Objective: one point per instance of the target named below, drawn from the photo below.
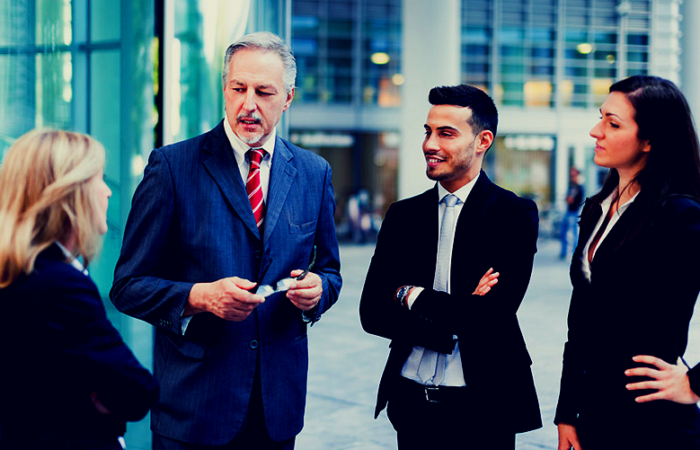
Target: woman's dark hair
(664, 119)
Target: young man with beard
(448, 274)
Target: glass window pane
(476, 35)
(105, 100)
(105, 21)
(52, 23)
(638, 39)
(637, 56)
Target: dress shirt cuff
(414, 295)
(306, 317)
(694, 378)
(184, 321)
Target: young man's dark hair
(484, 112)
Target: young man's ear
(484, 140)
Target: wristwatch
(402, 294)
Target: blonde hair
(44, 197)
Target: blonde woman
(69, 381)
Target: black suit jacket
(495, 229)
(58, 346)
(639, 302)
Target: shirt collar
(240, 148)
(605, 204)
(75, 262)
(461, 193)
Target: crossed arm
(438, 315)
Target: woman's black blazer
(58, 347)
(639, 302)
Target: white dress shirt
(454, 376)
(605, 207)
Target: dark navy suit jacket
(191, 222)
(495, 229)
(58, 347)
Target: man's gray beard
(252, 139)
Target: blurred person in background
(69, 381)
(635, 280)
(574, 200)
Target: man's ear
(484, 141)
(288, 101)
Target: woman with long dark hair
(69, 381)
(636, 277)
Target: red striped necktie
(253, 186)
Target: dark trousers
(443, 419)
(253, 434)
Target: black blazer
(495, 229)
(58, 346)
(639, 302)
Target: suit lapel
(427, 228)
(470, 224)
(221, 166)
(608, 246)
(473, 211)
(615, 236)
(589, 225)
(281, 178)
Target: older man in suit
(214, 218)
(458, 374)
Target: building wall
(547, 63)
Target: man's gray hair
(264, 40)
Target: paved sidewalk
(346, 363)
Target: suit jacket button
(253, 344)
(258, 254)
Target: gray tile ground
(346, 363)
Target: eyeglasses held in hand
(285, 283)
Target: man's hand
(568, 438)
(305, 294)
(486, 283)
(228, 298)
(671, 381)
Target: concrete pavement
(346, 363)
